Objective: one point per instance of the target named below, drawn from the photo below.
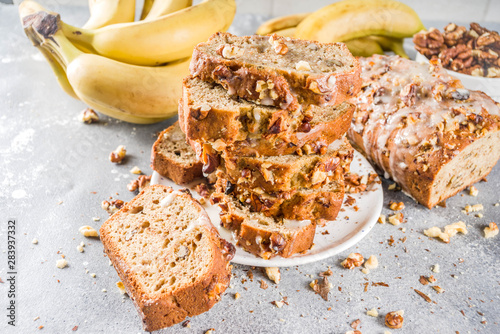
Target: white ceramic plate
(491, 86)
(348, 229)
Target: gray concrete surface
(55, 173)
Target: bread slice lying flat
(172, 157)
(208, 115)
(288, 172)
(168, 255)
(277, 71)
(423, 128)
(264, 236)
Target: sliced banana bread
(250, 130)
(288, 172)
(174, 158)
(264, 236)
(423, 128)
(278, 71)
(296, 204)
(168, 255)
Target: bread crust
(451, 152)
(180, 173)
(292, 87)
(166, 309)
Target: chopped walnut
(302, 66)
(88, 116)
(352, 261)
(372, 313)
(113, 206)
(321, 287)
(273, 273)
(88, 231)
(395, 206)
(458, 227)
(231, 52)
(473, 208)
(491, 230)
(394, 320)
(438, 289)
(61, 263)
(435, 232)
(278, 44)
(382, 219)
(118, 155)
(371, 263)
(203, 190)
(435, 268)
(136, 170)
(263, 284)
(278, 303)
(142, 182)
(396, 219)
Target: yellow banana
(391, 44)
(164, 39)
(146, 8)
(288, 32)
(363, 47)
(164, 7)
(280, 23)
(349, 19)
(106, 12)
(137, 94)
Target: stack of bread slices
(267, 117)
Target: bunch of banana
(128, 90)
(366, 26)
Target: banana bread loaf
(288, 172)
(296, 204)
(168, 255)
(264, 236)
(173, 157)
(230, 124)
(423, 128)
(278, 71)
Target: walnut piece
(394, 319)
(273, 273)
(352, 261)
(118, 155)
(88, 116)
(61, 263)
(321, 287)
(372, 313)
(449, 231)
(372, 262)
(279, 44)
(302, 66)
(396, 219)
(231, 52)
(491, 230)
(395, 206)
(88, 231)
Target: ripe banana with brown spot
(159, 41)
(350, 19)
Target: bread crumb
(382, 219)
(392, 186)
(273, 273)
(34, 241)
(36, 318)
(365, 271)
(438, 289)
(96, 219)
(80, 248)
(237, 295)
(278, 304)
(372, 313)
(121, 287)
(473, 208)
(372, 262)
(479, 215)
(88, 231)
(491, 230)
(93, 275)
(473, 191)
(136, 170)
(387, 332)
(396, 219)
(435, 268)
(210, 331)
(104, 290)
(61, 263)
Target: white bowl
(490, 86)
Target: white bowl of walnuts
(473, 56)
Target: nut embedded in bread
(423, 128)
(172, 157)
(278, 71)
(168, 255)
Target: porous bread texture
(297, 204)
(423, 128)
(231, 124)
(288, 172)
(278, 71)
(173, 157)
(168, 255)
(264, 236)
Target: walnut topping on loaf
(423, 128)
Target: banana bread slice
(288, 172)
(168, 255)
(423, 128)
(278, 71)
(174, 158)
(264, 236)
(208, 115)
(296, 204)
